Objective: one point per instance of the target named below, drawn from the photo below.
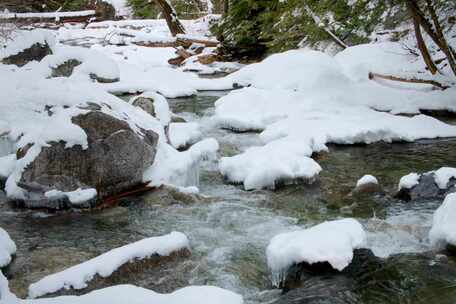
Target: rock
(114, 161)
(145, 103)
(425, 189)
(102, 79)
(402, 278)
(177, 119)
(36, 52)
(208, 59)
(65, 69)
(369, 188)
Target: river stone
(36, 52)
(401, 278)
(146, 104)
(369, 188)
(65, 69)
(426, 189)
(114, 161)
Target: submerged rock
(35, 52)
(114, 162)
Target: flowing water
(230, 230)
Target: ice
(76, 197)
(104, 265)
(443, 229)
(331, 242)
(7, 248)
(367, 179)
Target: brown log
(187, 42)
(408, 80)
(113, 201)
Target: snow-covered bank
(331, 242)
(303, 100)
(104, 265)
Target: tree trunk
(409, 80)
(438, 38)
(226, 7)
(423, 48)
(175, 26)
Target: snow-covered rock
(154, 104)
(182, 135)
(122, 294)
(331, 242)
(443, 231)
(104, 265)
(26, 46)
(7, 248)
(409, 181)
(443, 176)
(366, 179)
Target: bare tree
(174, 25)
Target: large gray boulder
(114, 162)
(426, 189)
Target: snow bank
(443, 229)
(122, 294)
(22, 40)
(6, 296)
(105, 264)
(184, 134)
(7, 164)
(443, 176)
(7, 248)
(331, 242)
(366, 179)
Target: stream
(229, 228)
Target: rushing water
(230, 231)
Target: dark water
(230, 231)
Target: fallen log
(78, 16)
(409, 80)
(187, 42)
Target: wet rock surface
(114, 161)
(65, 69)
(426, 189)
(36, 52)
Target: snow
(104, 265)
(122, 294)
(443, 176)
(366, 179)
(22, 40)
(180, 168)
(76, 197)
(6, 296)
(7, 164)
(331, 242)
(184, 134)
(443, 229)
(409, 181)
(7, 248)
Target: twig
(408, 80)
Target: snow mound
(409, 181)
(367, 179)
(22, 40)
(122, 294)
(331, 242)
(104, 265)
(7, 164)
(7, 248)
(184, 134)
(443, 176)
(75, 197)
(443, 229)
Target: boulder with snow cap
(430, 185)
(368, 184)
(35, 52)
(114, 161)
